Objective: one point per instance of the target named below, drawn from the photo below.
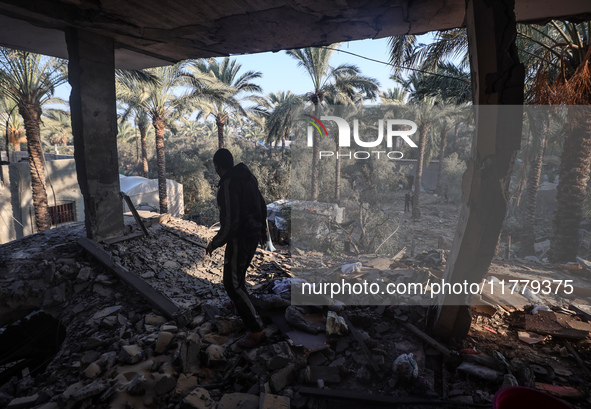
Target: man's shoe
(251, 340)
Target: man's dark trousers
(239, 254)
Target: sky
(281, 72)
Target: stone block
(23, 402)
(162, 341)
(269, 401)
(165, 384)
(283, 377)
(131, 354)
(238, 401)
(198, 399)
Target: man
(407, 202)
(243, 215)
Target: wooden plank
(154, 297)
(364, 348)
(432, 342)
(136, 216)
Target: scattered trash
(351, 268)
(537, 308)
(406, 367)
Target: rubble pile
(121, 352)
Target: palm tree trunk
(143, 131)
(219, 121)
(416, 212)
(31, 116)
(442, 141)
(337, 177)
(316, 157)
(528, 237)
(159, 130)
(573, 175)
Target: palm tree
(283, 113)
(30, 80)
(240, 89)
(342, 84)
(58, 127)
(560, 51)
(564, 77)
(394, 96)
(12, 124)
(160, 100)
(425, 115)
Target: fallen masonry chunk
(215, 355)
(185, 384)
(92, 370)
(131, 354)
(162, 341)
(152, 319)
(93, 389)
(283, 377)
(23, 402)
(335, 325)
(189, 353)
(238, 401)
(137, 386)
(269, 401)
(165, 384)
(197, 399)
(276, 356)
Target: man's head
(223, 161)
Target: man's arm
(229, 214)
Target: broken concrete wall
(16, 201)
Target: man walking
(243, 213)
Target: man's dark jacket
(243, 211)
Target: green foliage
(453, 169)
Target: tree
(12, 124)
(160, 100)
(30, 81)
(283, 113)
(240, 89)
(343, 84)
(564, 77)
(425, 115)
(58, 127)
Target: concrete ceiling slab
(157, 32)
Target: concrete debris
(335, 325)
(199, 398)
(238, 401)
(118, 351)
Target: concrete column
(94, 125)
(497, 87)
